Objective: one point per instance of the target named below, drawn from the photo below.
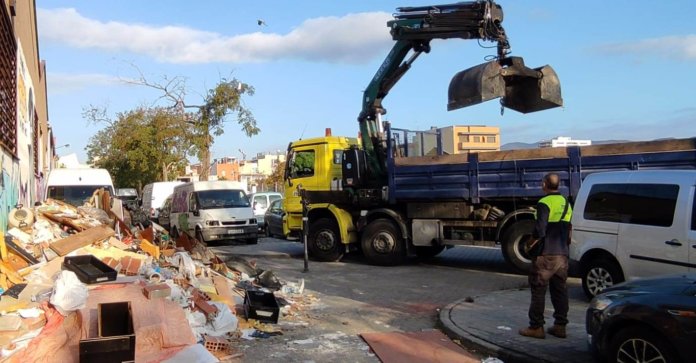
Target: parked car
(633, 224)
(273, 219)
(165, 212)
(648, 320)
(260, 202)
(154, 195)
(129, 196)
(76, 186)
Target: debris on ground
(67, 271)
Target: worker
(550, 266)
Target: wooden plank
(414, 347)
(82, 239)
(224, 291)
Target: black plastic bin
(261, 306)
(89, 269)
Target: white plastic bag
(224, 322)
(69, 293)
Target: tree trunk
(205, 158)
(164, 171)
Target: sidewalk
(490, 323)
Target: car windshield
(213, 199)
(76, 195)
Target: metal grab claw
(523, 89)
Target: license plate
(235, 231)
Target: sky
(627, 68)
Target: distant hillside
(524, 145)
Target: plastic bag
(69, 293)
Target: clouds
(672, 47)
(352, 38)
(61, 83)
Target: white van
(154, 195)
(76, 186)
(213, 210)
(632, 224)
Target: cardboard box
(116, 340)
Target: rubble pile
(76, 280)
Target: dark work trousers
(553, 271)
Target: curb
(480, 345)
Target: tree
(141, 146)
(274, 181)
(208, 118)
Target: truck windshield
(76, 195)
(212, 199)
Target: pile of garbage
(75, 281)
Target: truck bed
(498, 175)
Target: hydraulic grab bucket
(523, 89)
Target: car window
(273, 197)
(276, 206)
(624, 203)
(260, 201)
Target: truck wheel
(598, 274)
(324, 241)
(513, 244)
(252, 241)
(382, 243)
(426, 252)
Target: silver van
(634, 224)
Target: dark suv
(650, 320)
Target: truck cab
(313, 164)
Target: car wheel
(637, 344)
(513, 242)
(267, 232)
(598, 274)
(324, 241)
(252, 241)
(382, 244)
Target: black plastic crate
(261, 306)
(89, 269)
(116, 340)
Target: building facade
(474, 138)
(563, 141)
(26, 139)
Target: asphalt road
(354, 297)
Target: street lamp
(58, 147)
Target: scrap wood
(224, 291)
(95, 234)
(21, 252)
(63, 221)
(185, 241)
(423, 346)
(150, 248)
(11, 274)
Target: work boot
(533, 332)
(558, 331)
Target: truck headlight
(212, 223)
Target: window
(222, 198)
(302, 164)
(260, 201)
(646, 204)
(337, 156)
(490, 139)
(477, 138)
(8, 84)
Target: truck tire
(382, 244)
(598, 274)
(513, 244)
(324, 241)
(252, 241)
(199, 236)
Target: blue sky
(627, 68)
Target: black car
(649, 320)
(273, 219)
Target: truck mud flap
(522, 89)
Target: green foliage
(275, 181)
(139, 144)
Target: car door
(653, 233)
(274, 222)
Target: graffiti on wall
(25, 137)
(9, 189)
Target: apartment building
(473, 138)
(563, 141)
(27, 145)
